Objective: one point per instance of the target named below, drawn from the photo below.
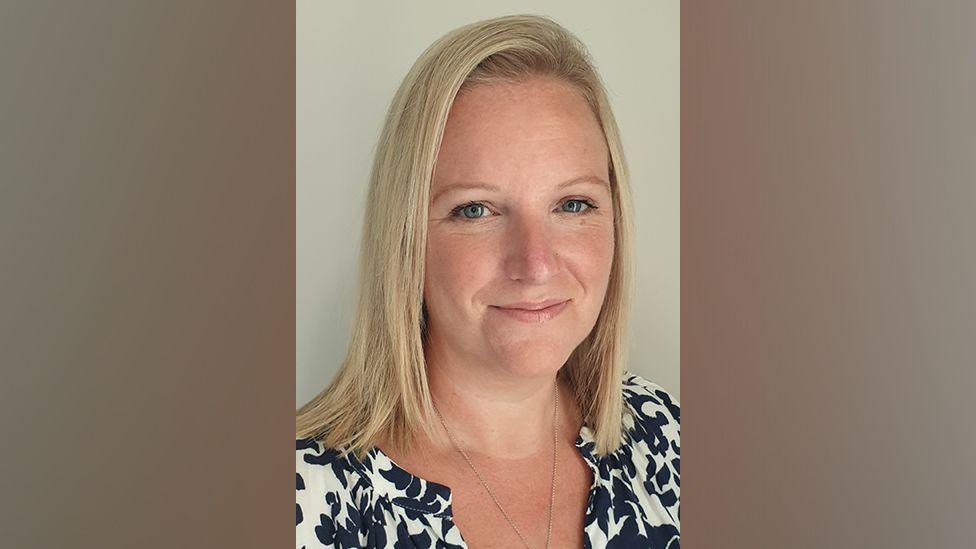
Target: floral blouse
(634, 501)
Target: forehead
(541, 129)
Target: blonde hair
(380, 392)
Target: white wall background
(350, 59)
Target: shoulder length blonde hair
(380, 392)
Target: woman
(483, 401)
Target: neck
(495, 413)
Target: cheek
(456, 269)
(591, 255)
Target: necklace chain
(552, 493)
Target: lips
(529, 306)
(533, 312)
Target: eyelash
(456, 212)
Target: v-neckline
(418, 497)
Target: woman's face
(520, 220)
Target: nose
(531, 253)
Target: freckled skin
(526, 139)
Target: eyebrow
(489, 187)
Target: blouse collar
(404, 489)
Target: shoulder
(647, 398)
(328, 487)
(325, 469)
(655, 414)
(650, 458)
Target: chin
(534, 359)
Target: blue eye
(470, 211)
(476, 210)
(576, 206)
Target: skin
(526, 240)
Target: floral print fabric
(344, 502)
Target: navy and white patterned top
(345, 502)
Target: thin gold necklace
(552, 493)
